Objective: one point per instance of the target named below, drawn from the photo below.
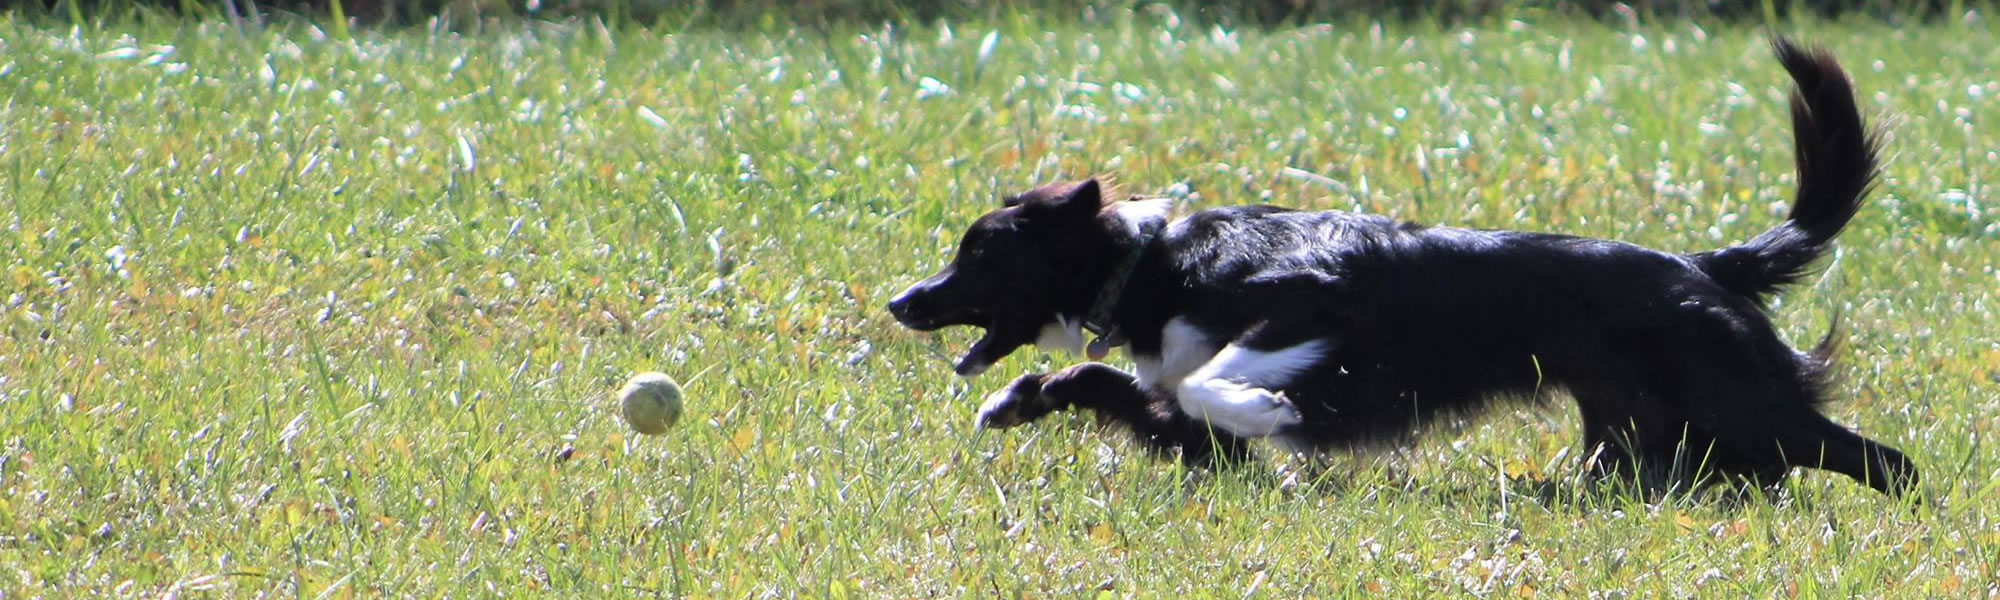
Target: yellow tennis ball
(650, 403)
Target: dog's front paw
(1020, 403)
(1240, 408)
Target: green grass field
(299, 317)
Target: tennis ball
(650, 402)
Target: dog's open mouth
(929, 323)
(977, 358)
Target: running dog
(1333, 330)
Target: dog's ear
(1083, 200)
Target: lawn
(291, 315)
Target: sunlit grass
(299, 316)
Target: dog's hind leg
(1767, 426)
(1114, 396)
(1633, 433)
(1780, 437)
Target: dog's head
(1041, 256)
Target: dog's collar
(1099, 320)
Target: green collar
(1099, 320)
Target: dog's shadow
(1569, 486)
(1565, 483)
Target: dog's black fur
(1671, 358)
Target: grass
(292, 316)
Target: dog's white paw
(1239, 408)
(1016, 404)
(994, 410)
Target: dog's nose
(899, 306)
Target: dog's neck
(1142, 219)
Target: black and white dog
(1332, 330)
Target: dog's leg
(1609, 436)
(1628, 432)
(1774, 438)
(1117, 397)
(1020, 403)
(1767, 424)
(1720, 463)
(1239, 389)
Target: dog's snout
(927, 305)
(912, 304)
(900, 306)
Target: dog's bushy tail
(1836, 156)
